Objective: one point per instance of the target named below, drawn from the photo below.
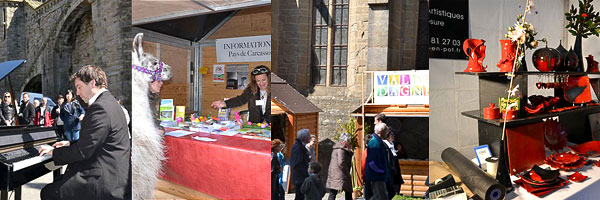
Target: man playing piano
(99, 163)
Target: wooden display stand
(525, 139)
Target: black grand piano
(20, 162)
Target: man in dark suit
(26, 111)
(99, 163)
(299, 160)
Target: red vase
(592, 64)
(508, 49)
(546, 59)
(475, 50)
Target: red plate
(569, 167)
(565, 158)
(577, 177)
(591, 148)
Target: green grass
(398, 197)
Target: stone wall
(12, 41)
(61, 36)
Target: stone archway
(34, 85)
(74, 46)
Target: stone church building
(58, 37)
(322, 47)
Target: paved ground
(31, 190)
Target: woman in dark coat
(7, 110)
(257, 94)
(339, 178)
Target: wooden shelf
(523, 73)
(477, 114)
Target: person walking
(376, 169)
(299, 160)
(338, 177)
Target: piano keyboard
(445, 192)
(23, 158)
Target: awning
(148, 11)
(7, 67)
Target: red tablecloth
(230, 168)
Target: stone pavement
(31, 190)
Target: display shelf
(477, 114)
(524, 73)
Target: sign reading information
(244, 49)
(401, 87)
(448, 28)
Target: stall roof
(289, 98)
(145, 11)
(404, 110)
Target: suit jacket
(99, 163)
(256, 115)
(70, 115)
(28, 112)
(299, 162)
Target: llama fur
(147, 154)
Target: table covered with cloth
(231, 167)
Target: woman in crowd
(7, 110)
(257, 94)
(71, 113)
(339, 178)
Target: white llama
(147, 147)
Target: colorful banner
(401, 87)
(244, 49)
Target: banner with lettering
(244, 49)
(448, 28)
(401, 87)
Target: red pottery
(591, 148)
(475, 50)
(508, 48)
(592, 64)
(577, 177)
(511, 114)
(546, 59)
(578, 90)
(491, 112)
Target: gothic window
(330, 42)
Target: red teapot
(475, 50)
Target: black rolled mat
(478, 181)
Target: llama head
(148, 64)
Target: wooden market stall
(409, 120)
(291, 112)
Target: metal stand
(4, 194)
